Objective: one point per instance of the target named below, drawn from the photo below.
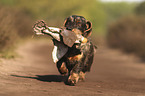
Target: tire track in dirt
(34, 74)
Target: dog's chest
(78, 52)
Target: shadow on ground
(46, 78)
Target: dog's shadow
(46, 78)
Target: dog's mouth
(69, 28)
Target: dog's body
(79, 61)
(78, 57)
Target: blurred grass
(55, 11)
(18, 16)
(8, 34)
(14, 25)
(128, 33)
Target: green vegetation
(12, 28)
(128, 33)
(55, 11)
(117, 10)
(140, 9)
(18, 16)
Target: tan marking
(82, 76)
(76, 31)
(85, 40)
(76, 57)
(63, 69)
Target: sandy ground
(34, 74)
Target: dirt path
(34, 74)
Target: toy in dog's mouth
(38, 27)
(69, 37)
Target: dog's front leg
(74, 75)
(62, 67)
(73, 78)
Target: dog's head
(78, 22)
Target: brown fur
(79, 58)
(76, 57)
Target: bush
(140, 9)
(128, 33)
(13, 26)
(23, 23)
(8, 32)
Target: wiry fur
(79, 58)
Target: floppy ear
(88, 31)
(65, 22)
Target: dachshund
(73, 50)
(79, 58)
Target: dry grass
(13, 26)
(128, 33)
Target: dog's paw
(73, 79)
(82, 76)
(63, 70)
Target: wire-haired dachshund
(79, 58)
(73, 51)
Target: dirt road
(34, 74)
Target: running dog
(73, 50)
